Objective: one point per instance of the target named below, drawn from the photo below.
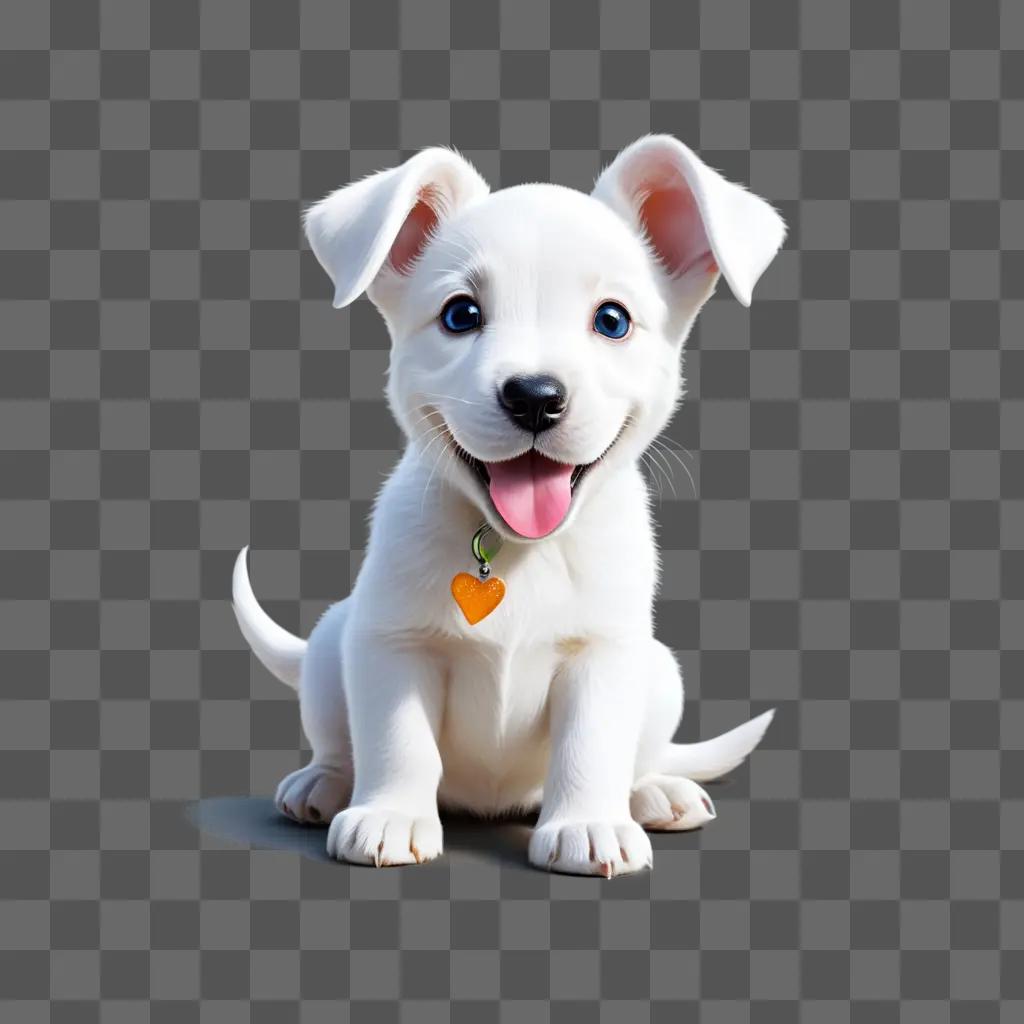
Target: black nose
(534, 403)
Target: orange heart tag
(477, 598)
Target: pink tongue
(532, 493)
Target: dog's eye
(461, 314)
(612, 320)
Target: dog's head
(536, 330)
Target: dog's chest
(496, 706)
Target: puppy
(536, 347)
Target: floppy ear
(697, 222)
(386, 220)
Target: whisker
(671, 442)
(666, 469)
(686, 469)
(430, 427)
(450, 398)
(430, 436)
(667, 477)
(440, 433)
(650, 474)
(671, 452)
(437, 462)
(432, 412)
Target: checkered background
(174, 384)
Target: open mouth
(532, 493)
(480, 468)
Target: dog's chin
(475, 483)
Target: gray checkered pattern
(174, 383)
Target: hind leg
(316, 793)
(661, 802)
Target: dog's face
(536, 331)
(530, 353)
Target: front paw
(378, 835)
(591, 848)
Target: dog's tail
(279, 651)
(710, 759)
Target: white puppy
(536, 354)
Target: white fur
(561, 699)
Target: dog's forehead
(556, 231)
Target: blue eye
(461, 314)
(612, 321)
